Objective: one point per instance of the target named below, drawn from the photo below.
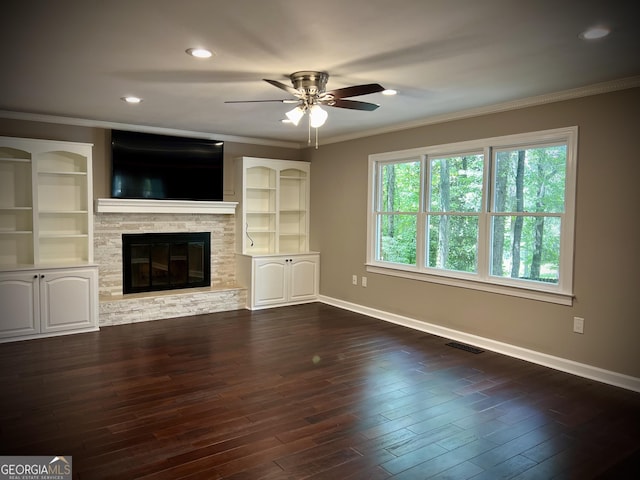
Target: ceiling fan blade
(284, 87)
(262, 101)
(352, 104)
(356, 90)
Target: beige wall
(607, 245)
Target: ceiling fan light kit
(309, 88)
(317, 116)
(295, 115)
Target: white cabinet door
(67, 299)
(303, 278)
(284, 280)
(19, 307)
(39, 303)
(269, 281)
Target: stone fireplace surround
(114, 217)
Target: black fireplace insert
(165, 261)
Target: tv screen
(164, 167)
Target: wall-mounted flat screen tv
(164, 167)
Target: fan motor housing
(311, 83)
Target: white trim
(49, 334)
(491, 287)
(118, 205)
(558, 363)
(83, 122)
(562, 293)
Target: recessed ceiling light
(594, 33)
(389, 92)
(131, 99)
(200, 52)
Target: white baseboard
(583, 370)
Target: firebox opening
(165, 261)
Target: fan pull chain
(309, 136)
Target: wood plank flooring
(305, 392)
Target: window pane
(453, 242)
(456, 184)
(397, 239)
(530, 180)
(526, 247)
(400, 187)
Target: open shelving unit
(16, 207)
(48, 283)
(45, 211)
(293, 225)
(273, 216)
(260, 209)
(63, 207)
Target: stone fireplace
(114, 218)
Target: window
(493, 214)
(398, 212)
(454, 207)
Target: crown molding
(595, 89)
(83, 122)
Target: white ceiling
(77, 58)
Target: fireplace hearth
(165, 261)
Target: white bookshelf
(272, 234)
(48, 284)
(45, 202)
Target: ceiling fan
(309, 90)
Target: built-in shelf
(120, 205)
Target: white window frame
(560, 293)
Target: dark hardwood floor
(305, 392)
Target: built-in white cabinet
(274, 280)
(43, 302)
(272, 235)
(49, 283)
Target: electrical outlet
(354, 279)
(364, 281)
(578, 325)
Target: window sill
(538, 295)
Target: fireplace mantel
(119, 205)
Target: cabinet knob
(41, 276)
(35, 276)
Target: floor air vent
(466, 348)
